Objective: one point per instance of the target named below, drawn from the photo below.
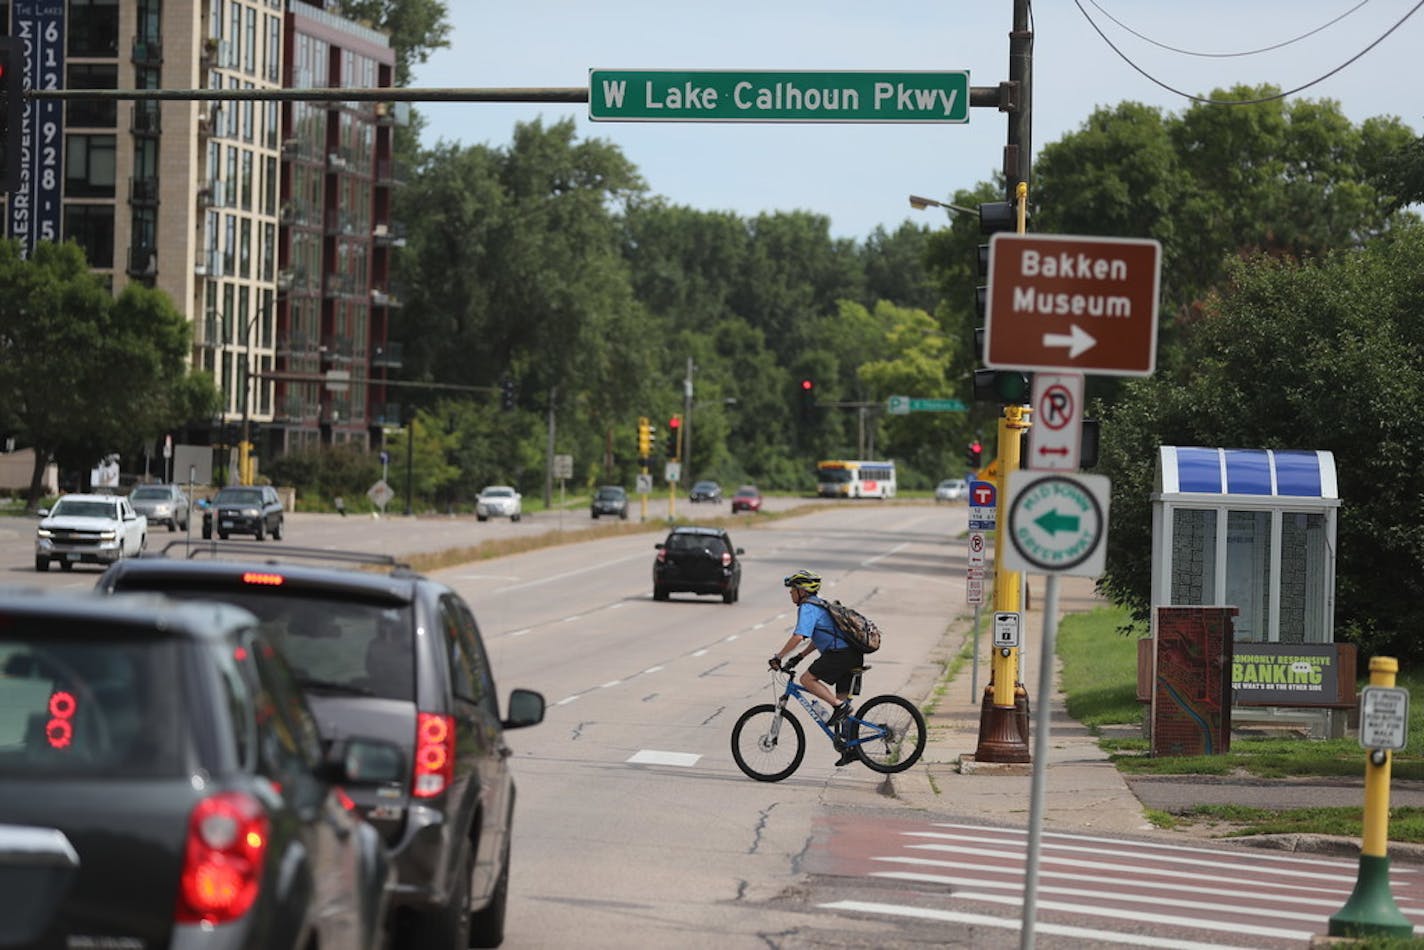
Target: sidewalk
(1083, 791)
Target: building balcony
(389, 172)
(147, 51)
(389, 235)
(297, 345)
(147, 117)
(337, 350)
(383, 297)
(340, 222)
(143, 190)
(387, 356)
(143, 261)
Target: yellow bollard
(1371, 908)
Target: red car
(747, 498)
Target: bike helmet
(805, 580)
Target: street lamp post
(920, 203)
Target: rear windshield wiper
(306, 682)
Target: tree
(1317, 354)
(416, 28)
(82, 373)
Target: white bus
(846, 478)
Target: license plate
(71, 556)
(227, 524)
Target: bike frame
(799, 693)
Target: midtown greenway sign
(666, 95)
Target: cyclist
(836, 664)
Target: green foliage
(326, 473)
(85, 374)
(1324, 354)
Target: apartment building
(268, 223)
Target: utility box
(1191, 680)
(1254, 529)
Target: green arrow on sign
(1053, 522)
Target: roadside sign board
(983, 502)
(338, 380)
(974, 591)
(672, 472)
(901, 405)
(644, 483)
(1057, 442)
(1056, 523)
(1073, 304)
(563, 466)
(742, 95)
(380, 494)
(1384, 717)
(1006, 628)
(977, 548)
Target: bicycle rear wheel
(893, 733)
(762, 755)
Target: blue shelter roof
(1260, 472)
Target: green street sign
(1057, 523)
(668, 95)
(900, 405)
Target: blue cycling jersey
(814, 622)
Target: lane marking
(654, 757)
(519, 633)
(610, 683)
(566, 700)
(653, 669)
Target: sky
(860, 175)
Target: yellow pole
(1006, 583)
(1371, 908)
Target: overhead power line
(1243, 102)
(1249, 52)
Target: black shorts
(837, 667)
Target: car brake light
(59, 731)
(264, 580)
(434, 754)
(726, 558)
(222, 859)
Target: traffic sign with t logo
(1075, 304)
(1057, 441)
(983, 505)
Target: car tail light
(662, 557)
(434, 754)
(222, 859)
(263, 579)
(726, 558)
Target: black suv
(610, 500)
(244, 509)
(397, 655)
(700, 560)
(170, 788)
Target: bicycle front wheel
(767, 743)
(891, 733)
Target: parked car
(386, 651)
(172, 786)
(245, 509)
(88, 529)
(747, 498)
(699, 560)
(162, 504)
(499, 501)
(610, 500)
(951, 489)
(705, 491)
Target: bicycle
(768, 743)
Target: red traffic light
(807, 385)
(975, 446)
(674, 422)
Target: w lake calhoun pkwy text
(771, 97)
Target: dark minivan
(700, 561)
(397, 655)
(610, 500)
(164, 784)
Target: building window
(89, 166)
(92, 228)
(246, 200)
(93, 28)
(92, 113)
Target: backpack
(858, 630)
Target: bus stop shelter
(1254, 529)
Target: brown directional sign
(1073, 304)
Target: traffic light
(12, 86)
(974, 454)
(808, 398)
(645, 438)
(506, 394)
(992, 385)
(674, 442)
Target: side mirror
(526, 708)
(42, 513)
(659, 546)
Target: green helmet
(807, 581)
